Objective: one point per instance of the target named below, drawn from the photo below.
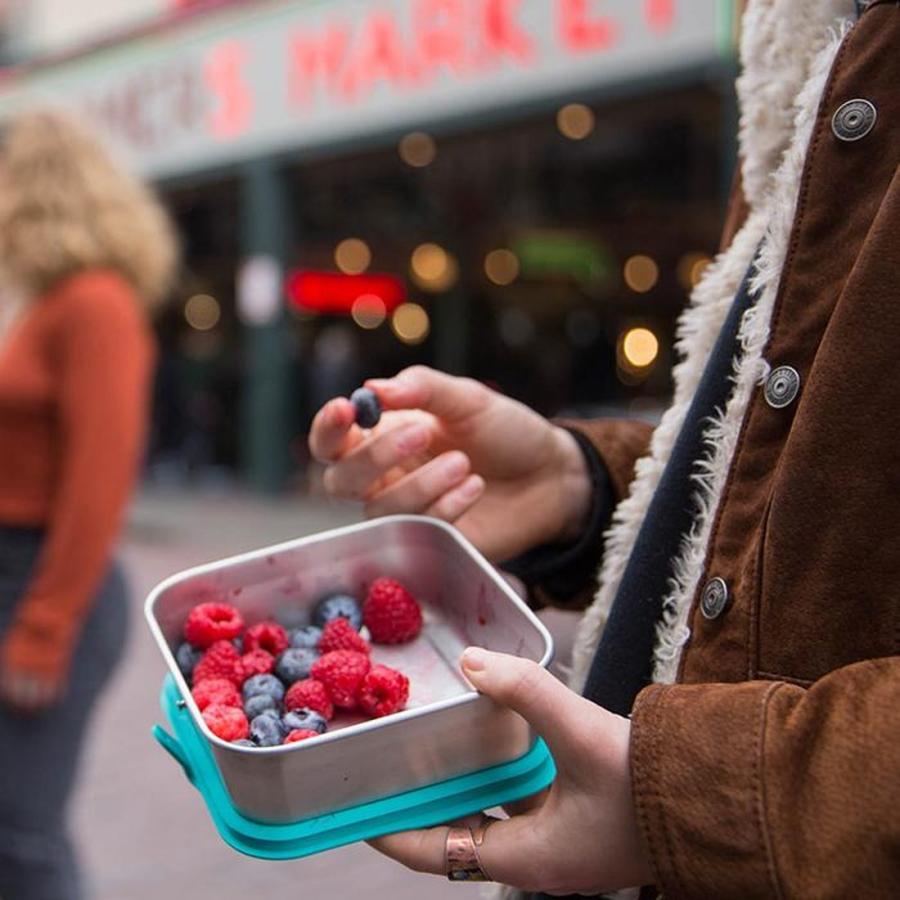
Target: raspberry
(342, 672)
(383, 691)
(339, 634)
(226, 722)
(309, 694)
(268, 636)
(218, 691)
(300, 734)
(391, 613)
(210, 622)
(256, 662)
(220, 661)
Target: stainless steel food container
(447, 728)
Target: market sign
(272, 77)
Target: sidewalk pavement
(143, 832)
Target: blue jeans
(39, 754)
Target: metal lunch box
(450, 752)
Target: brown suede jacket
(771, 767)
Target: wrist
(574, 486)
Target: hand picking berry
(267, 731)
(226, 722)
(263, 684)
(294, 664)
(305, 719)
(339, 634)
(335, 605)
(367, 407)
(391, 613)
(306, 638)
(219, 691)
(268, 636)
(309, 694)
(383, 691)
(210, 622)
(342, 672)
(221, 660)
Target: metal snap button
(782, 387)
(853, 120)
(714, 598)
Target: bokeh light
(352, 256)
(433, 268)
(417, 149)
(640, 273)
(639, 347)
(410, 323)
(501, 266)
(575, 121)
(368, 311)
(202, 312)
(690, 269)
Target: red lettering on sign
(224, 74)
(314, 57)
(660, 14)
(582, 32)
(503, 35)
(380, 57)
(439, 27)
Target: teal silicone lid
(418, 808)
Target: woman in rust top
(84, 251)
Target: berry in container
(338, 729)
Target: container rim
(349, 731)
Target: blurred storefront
(519, 190)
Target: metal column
(266, 420)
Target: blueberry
(295, 663)
(305, 718)
(243, 742)
(263, 684)
(187, 657)
(307, 637)
(259, 704)
(367, 406)
(238, 644)
(267, 731)
(335, 605)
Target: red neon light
(334, 294)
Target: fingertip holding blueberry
(366, 406)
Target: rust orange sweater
(74, 378)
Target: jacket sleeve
(766, 789)
(103, 357)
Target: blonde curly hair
(66, 206)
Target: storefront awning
(275, 77)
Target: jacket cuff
(696, 761)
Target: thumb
(528, 689)
(446, 396)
